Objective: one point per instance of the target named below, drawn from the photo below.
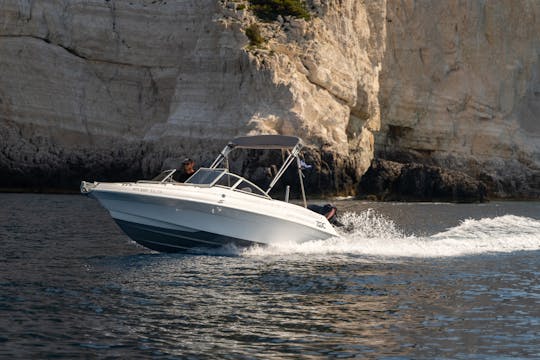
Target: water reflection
(69, 293)
(306, 308)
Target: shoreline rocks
(392, 181)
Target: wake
(372, 235)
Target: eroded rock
(392, 181)
(102, 89)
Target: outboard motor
(329, 211)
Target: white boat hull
(171, 217)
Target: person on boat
(188, 169)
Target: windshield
(222, 178)
(205, 176)
(164, 176)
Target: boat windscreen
(205, 176)
(227, 180)
(165, 175)
(248, 187)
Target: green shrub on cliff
(270, 9)
(254, 35)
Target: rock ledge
(392, 181)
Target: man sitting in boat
(188, 169)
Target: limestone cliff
(90, 88)
(115, 89)
(460, 88)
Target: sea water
(403, 281)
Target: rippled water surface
(406, 281)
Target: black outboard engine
(329, 211)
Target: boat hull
(170, 240)
(173, 218)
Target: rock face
(392, 181)
(114, 90)
(460, 88)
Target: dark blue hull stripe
(169, 240)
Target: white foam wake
(506, 233)
(371, 234)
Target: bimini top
(265, 142)
(292, 144)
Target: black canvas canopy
(265, 142)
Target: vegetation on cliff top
(254, 35)
(269, 10)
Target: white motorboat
(214, 207)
